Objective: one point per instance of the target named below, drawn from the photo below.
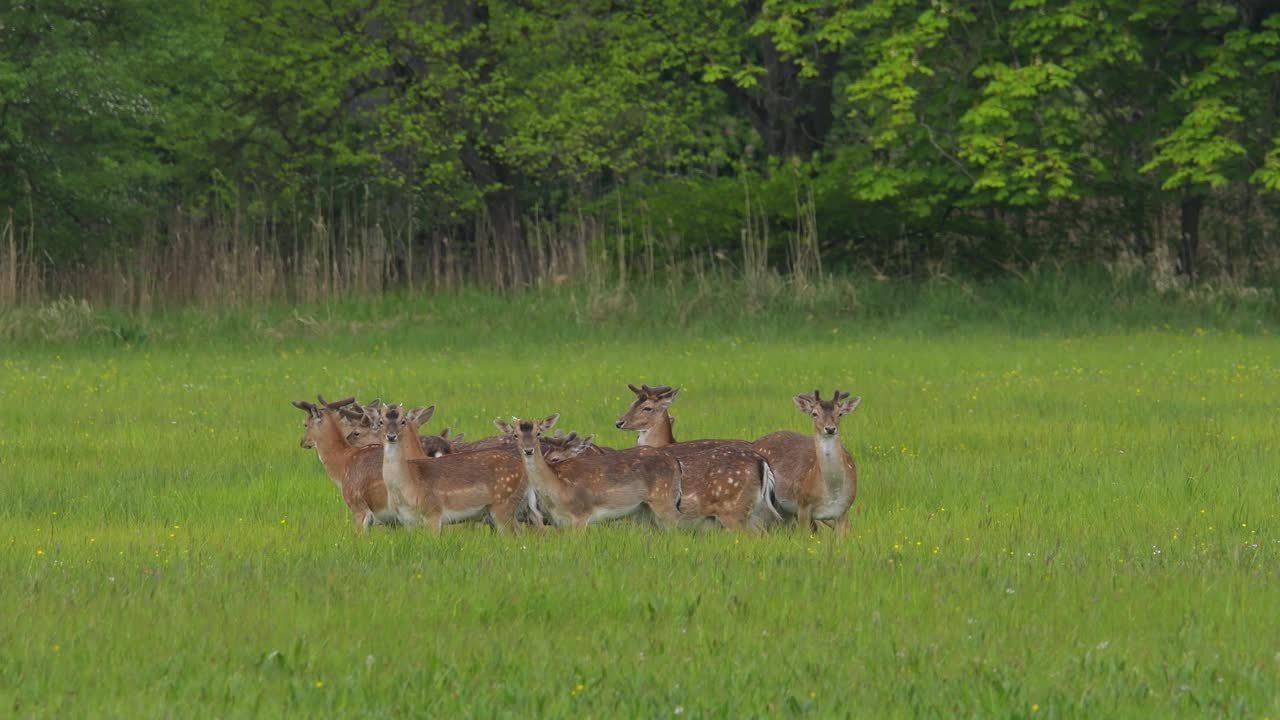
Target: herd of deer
(390, 474)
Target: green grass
(1058, 517)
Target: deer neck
(395, 471)
(411, 445)
(540, 473)
(830, 454)
(334, 451)
(659, 435)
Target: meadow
(1065, 509)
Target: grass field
(1057, 517)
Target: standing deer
(724, 479)
(588, 489)
(486, 484)
(817, 479)
(357, 471)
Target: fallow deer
(356, 471)
(487, 484)
(817, 478)
(724, 479)
(583, 490)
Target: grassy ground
(1053, 521)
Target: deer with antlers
(817, 478)
(434, 492)
(723, 479)
(360, 425)
(357, 471)
(587, 489)
(560, 447)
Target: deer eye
(815, 414)
(648, 409)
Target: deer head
(394, 421)
(527, 432)
(559, 447)
(648, 408)
(319, 418)
(826, 414)
(360, 424)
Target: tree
(83, 96)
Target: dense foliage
(993, 133)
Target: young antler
(306, 407)
(335, 405)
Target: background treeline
(240, 150)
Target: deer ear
(668, 395)
(635, 389)
(548, 422)
(420, 415)
(504, 426)
(457, 438)
(804, 402)
(848, 404)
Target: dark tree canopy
(1013, 130)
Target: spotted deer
(587, 489)
(357, 471)
(723, 479)
(434, 492)
(817, 479)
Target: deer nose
(528, 451)
(829, 430)
(618, 424)
(391, 437)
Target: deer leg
(842, 525)
(435, 521)
(504, 514)
(731, 522)
(535, 516)
(665, 513)
(362, 519)
(804, 519)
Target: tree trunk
(1189, 248)
(791, 113)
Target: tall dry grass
(233, 253)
